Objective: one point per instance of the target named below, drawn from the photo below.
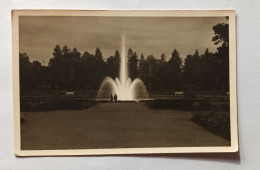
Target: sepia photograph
(124, 82)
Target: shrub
(217, 122)
(52, 104)
(189, 95)
(183, 104)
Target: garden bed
(55, 104)
(214, 115)
(181, 104)
(217, 122)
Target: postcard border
(125, 13)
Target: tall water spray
(123, 87)
(123, 73)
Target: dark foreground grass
(114, 125)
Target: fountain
(123, 86)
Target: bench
(69, 93)
(179, 93)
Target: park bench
(69, 93)
(179, 93)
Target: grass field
(114, 125)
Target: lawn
(114, 125)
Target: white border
(125, 13)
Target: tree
(31, 74)
(76, 55)
(76, 68)
(37, 74)
(192, 71)
(99, 68)
(55, 64)
(153, 73)
(175, 61)
(209, 67)
(98, 55)
(57, 56)
(25, 71)
(132, 64)
(163, 73)
(175, 71)
(89, 71)
(145, 70)
(113, 65)
(163, 59)
(222, 38)
(221, 34)
(63, 65)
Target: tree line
(68, 69)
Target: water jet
(124, 87)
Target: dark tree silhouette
(192, 71)
(69, 70)
(31, 74)
(25, 71)
(222, 38)
(113, 65)
(163, 73)
(99, 69)
(76, 68)
(221, 34)
(89, 70)
(209, 67)
(144, 70)
(132, 64)
(175, 71)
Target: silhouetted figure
(111, 97)
(115, 97)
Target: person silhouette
(115, 97)
(111, 97)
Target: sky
(38, 35)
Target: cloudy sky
(148, 35)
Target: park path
(114, 125)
